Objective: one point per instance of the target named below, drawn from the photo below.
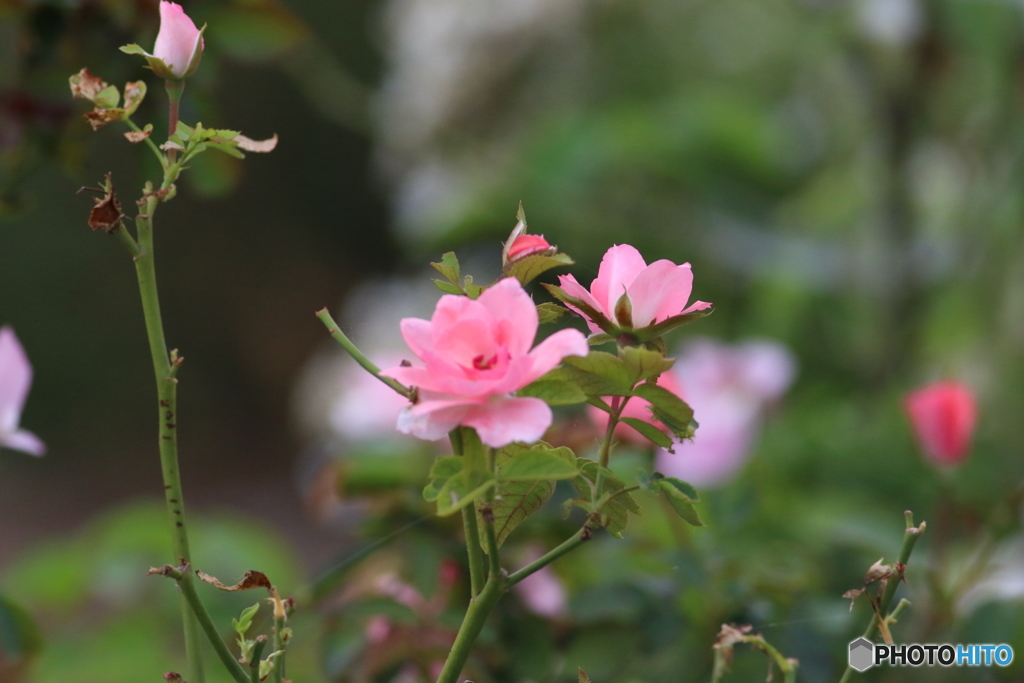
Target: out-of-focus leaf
(517, 462)
(549, 312)
(257, 31)
(20, 638)
(554, 392)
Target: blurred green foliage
(840, 181)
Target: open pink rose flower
(652, 292)
(943, 415)
(15, 380)
(475, 354)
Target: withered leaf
(138, 136)
(171, 144)
(134, 93)
(101, 117)
(106, 215)
(252, 579)
(852, 595)
(86, 86)
(250, 145)
(877, 572)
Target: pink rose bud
(179, 44)
(652, 292)
(15, 380)
(474, 355)
(943, 415)
(525, 245)
(178, 48)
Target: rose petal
(660, 291)
(619, 267)
(503, 420)
(15, 379)
(514, 313)
(550, 352)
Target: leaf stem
(570, 544)
(188, 590)
(618, 404)
(356, 354)
(469, 526)
(148, 140)
(479, 608)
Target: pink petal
(418, 334)
(550, 352)
(619, 267)
(21, 440)
(573, 288)
(514, 313)
(943, 415)
(430, 424)
(178, 39)
(15, 379)
(503, 420)
(659, 292)
(524, 245)
(543, 594)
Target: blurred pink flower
(543, 593)
(943, 415)
(475, 354)
(637, 408)
(179, 44)
(728, 387)
(15, 380)
(366, 408)
(653, 292)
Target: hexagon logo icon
(862, 654)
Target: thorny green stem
(356, 354)
(164, 368)
(278, 645)
(479, 608)
(257, 655)
(910, 536)
(191, 598)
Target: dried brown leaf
(138, 136)
(252, 579)
(250, 145)
(101, 117)
(85, 86)
(106, 215)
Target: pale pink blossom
(474, 355)
(15, 380)
(366, 408)
(728, 387)
(543, 593)
(638, 408)
(179, 44)
(943, 415)
(632, 294)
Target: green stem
(469, 526)
(479, 608)
(257, 655)
(570, 544)
(910, 536)
(367, 364)
(188, 591)
(164, 370)
(148, 140)
(174, 91)
(604, 454)
(277, 675)
(128, 241)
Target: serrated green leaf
(670, 324)
(132, 49)
(244, 621)
(517, 462)
(529, 267)
(650, 432)
(514, 502)
(472, 290)
(447, 287)
(449, 268)
(643, 364)
(615, 513)
(461, 490)
(597, 374)
(183, 131)
(595, 316)
(548, 312)
(227, 148)
(107, 98)
(554, 392)
(680, 495)
(441, 471)
(668, 409)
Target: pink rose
(632, 294)
(637, 408)
(943, 415)
(15, 380)
(475, 354)
(179, 44)
(728, 387)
